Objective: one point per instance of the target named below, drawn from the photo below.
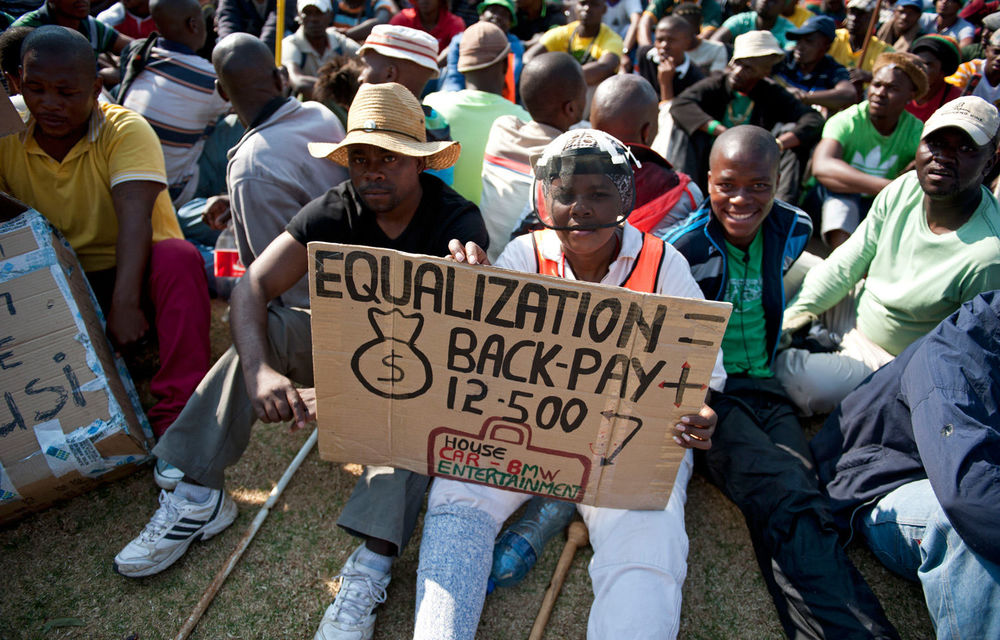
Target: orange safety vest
(645, 271)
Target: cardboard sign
(69, 415)
(530, 383)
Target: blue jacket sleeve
(953, 388)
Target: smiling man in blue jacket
(911, 459)
(739, 244)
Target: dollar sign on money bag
(393, 367)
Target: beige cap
(971, 114)
(388, 116)
(756, 44)
(483, 45)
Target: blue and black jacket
(786, 230)
(933, 412)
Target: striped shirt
(176, 94)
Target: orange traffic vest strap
(645, 270)
(509, 86)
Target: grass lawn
(57, 580)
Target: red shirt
(448, 25)
(923, 111)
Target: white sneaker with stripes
(176, 524)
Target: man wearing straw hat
(392, 53)
(387, 202)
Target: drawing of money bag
(393, 367)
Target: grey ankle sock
(375, 561)
(193, 492)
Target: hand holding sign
(695, 431)
(471, 253)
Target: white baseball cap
(405, 43)
(323, 5)
(971, 114)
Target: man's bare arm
(838, 176)
(598, 70)
(133, 202)
(274, 272)
(644, 34)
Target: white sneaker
(175, 525)
(350, 616)
(166, 475)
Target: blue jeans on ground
(909, 532)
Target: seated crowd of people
(829, 169)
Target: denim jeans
(910, 533)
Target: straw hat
(388, 116)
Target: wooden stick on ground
(220, 577)
(576, 537)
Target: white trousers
(637, 571)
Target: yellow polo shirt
(75, 194)
(842, 52)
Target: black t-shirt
(339, 216)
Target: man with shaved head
(174, 91)
(270, 175)
(96, 172)
(554, 92)
(268, 374)
(739, 244)
(626, 107)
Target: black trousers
(760, 459)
